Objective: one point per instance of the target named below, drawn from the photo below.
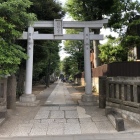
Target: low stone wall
(95, 83)
(121, 94)
(135, 117)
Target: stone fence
(3, 93)
(122, 94)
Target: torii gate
(58, 26)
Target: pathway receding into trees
(58, 25)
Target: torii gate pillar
(87, 97)
(28, 98)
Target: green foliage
(88, 9)
(70, 67)
(131, 41)
(112, 51)
(13, 20)
(46, 53)
(10, 57)
(47, 9)
(123, 18)
(124, 15)
(75, 49)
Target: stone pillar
(102, 92)
(87, 97)
(11, 92)
(117, 91)
(122, 92)
(3, 97)
(28, 96)
(128, 93)
(135, 93)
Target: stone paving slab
(49, 108)
(85, 120)
(47, 121)
(82, 113)
(72, 128)
(34, 121)
(71, 114)
(99, 118)
(72, 121)
(42, 115)
(89, 127)
(22, 130)
(105, 127)
(55, 129)
(68, 108)
(57, 114)
(39, 129)
(62, 119)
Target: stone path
(61, 115)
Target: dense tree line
(123, 18)
(14, 18)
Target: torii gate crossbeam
(58, 26)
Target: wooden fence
(117, 69)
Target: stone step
(127, 136)
(115, 118)
(116, 121)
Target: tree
(47, 9)
(46, 56)
(112, 51)
(75, 49)
(122, 16)
(125, 20)
(44, 10)
(70, 67)
(13, 20)
(87, 11)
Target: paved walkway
(59, 114)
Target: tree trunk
(96, 43)
(11, 92)
(20, 83)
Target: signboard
(58, 27)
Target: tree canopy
(87, 10)
(13, 20)
(46, 53)
(76, 51)
(123, 18)
(113, 51)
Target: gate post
(87, 97)
(28, 97)
(102, 91)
